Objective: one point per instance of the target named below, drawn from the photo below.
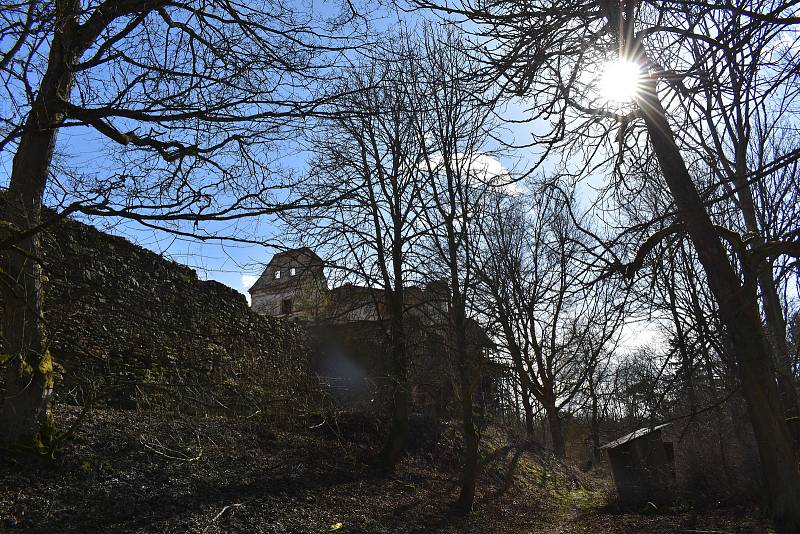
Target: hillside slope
(151, 472)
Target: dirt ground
(129, 471)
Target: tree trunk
(25, 415)
(469, 476)
(398, 431)
(524, 379)
(776, 328)
(470, 471)
(773, 309)
(395, 440)
(526, 404)
(556, 430)
(594, 423)
(739, 313)
(517, 414)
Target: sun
(620, 81)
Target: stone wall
(130, 328)
(308, 299)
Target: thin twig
(225, 509)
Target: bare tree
(186, 99)
(505, 243)
(456, 129)
(557, 324)
(599, 395)
(366, 183)
(554, 52)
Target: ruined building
(292, 285)
(709, 456)
(643, 466)
(349, 327)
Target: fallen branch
(225, 509)
(176, 455)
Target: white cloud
(247, 282)
(487, 169)
(491, 171)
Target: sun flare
(620, 81)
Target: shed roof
(632, 436)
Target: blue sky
(82, 150)
(236, 265)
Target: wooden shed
(643, 466)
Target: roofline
(276, 255)
(636, 434)
(298, 249)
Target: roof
(636, 434)
(305, 258)
(296, 253)
(350, 297)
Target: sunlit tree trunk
(522, 374)
(773, 310)
(594, 420)
(556, 428)
(528, 408)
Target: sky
(239, 265)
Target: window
(277, 274)
(286, 306)
(292, 271)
